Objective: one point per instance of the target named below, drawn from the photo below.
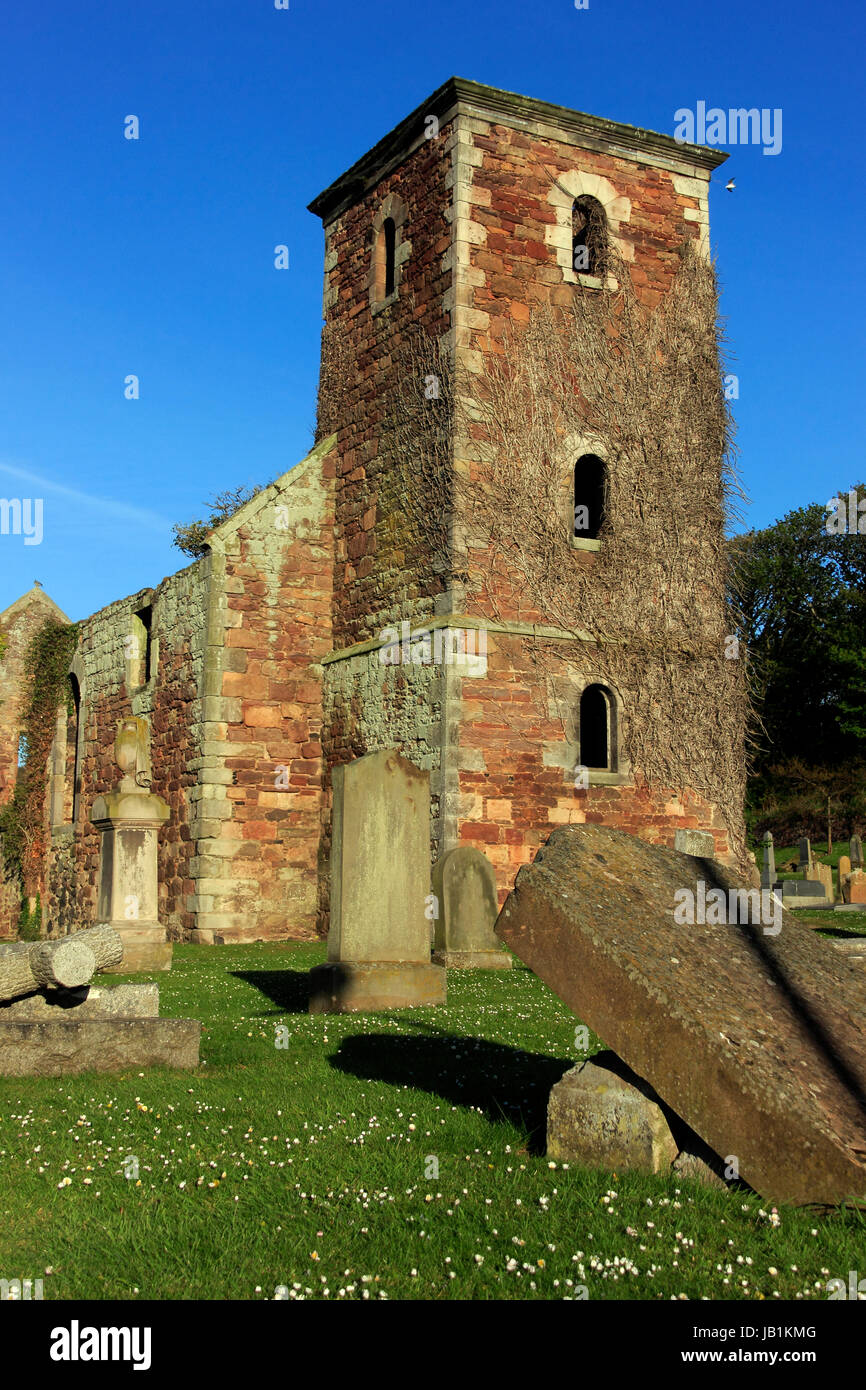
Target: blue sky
(155, 257)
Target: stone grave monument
(768, 869)
(54, 1022)
(128, 820)
(379, 937)
(464, 892)
(752, 1032)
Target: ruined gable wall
(112, 689)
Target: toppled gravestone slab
(754, 1034)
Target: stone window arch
(576, 188)
(597, 729)
(590, 497)
(389, 252)
(588, 236)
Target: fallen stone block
(104, 1045)
(753, 1034)
(124, 1001)
(600, 1114)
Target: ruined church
(288, 646)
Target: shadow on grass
(503, 1082)
(289, 990)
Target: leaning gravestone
(752, 1032)
(53, 1022)
(379, 937)
(464, 890)
(856, 855)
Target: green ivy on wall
(46, 689)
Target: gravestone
(805, 850)
(128, 820)
(464, 891)
(752, 1032)
(54, 1022)
(768, 869)
(379, 937)
(856, 848)
(844, 877)
(823, 875)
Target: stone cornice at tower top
(458, 96)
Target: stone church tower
(454, 228)
(287, 646)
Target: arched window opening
(385, 261)
(596, 734)
(589, 496)
(389, 230)
(588, 236)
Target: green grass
(306, 1166)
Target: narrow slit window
(589, 496)
(75, 716)
(389, 237)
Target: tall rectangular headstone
(748, 1026)
(805, 849)
(856, 852)
(379, 937)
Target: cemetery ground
(310, 1167)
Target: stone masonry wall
(261, 782)
(112, 681)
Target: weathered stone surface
(600, 1114)
(757, 1041)
(345, 988)
(856, 851)
(70, 1046)
(699, 843)
(379, 937)
(380, 861)
(464, 888)
(69, 963)
(124, 1001)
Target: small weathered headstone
(856, 847)
(603, 1116)
(379, 937)
(464, 892)
(768, 869)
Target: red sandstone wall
(382, 566)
